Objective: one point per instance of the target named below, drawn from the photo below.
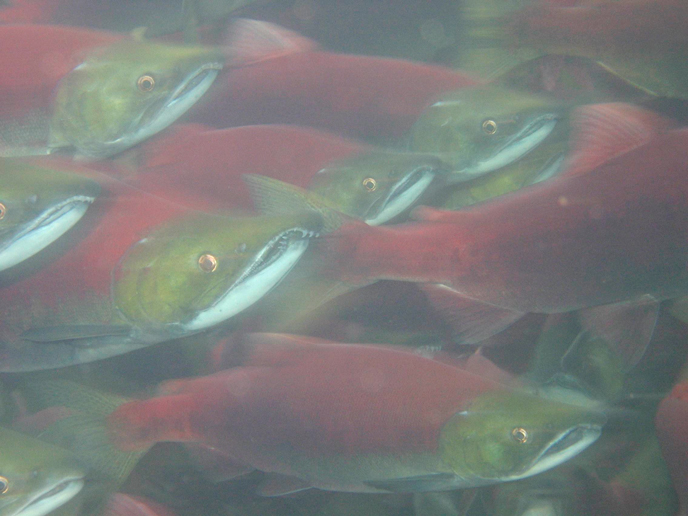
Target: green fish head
(483, 129)
(379, 186)
(35, 477)
(37, 206)
(190, 276)
(511, 435)
(125, 93)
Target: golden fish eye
(370, 184)
(489, 127)
(520, 435)
(146, 83)
(4, 485)
(3, 211)
(207, 263)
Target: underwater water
(321, 258)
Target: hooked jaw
(563, 447)
(264, 272)
(43, 230)
(52, 497)
(402, 197)
(513, 149)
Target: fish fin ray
(275, 484)
(471, 321)
(50, 334)
(604, 131)
(429, 482)
(253, 41)
(627, 326)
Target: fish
(671, 422)
(353, 177)
(82, 302)
(479, 130)
(278, 76)
(640, 41)
(37, 207)
(67, 78)
(604, 235)
(359, 418)
(380, 186)
(210, 162)
(122, 504)
(36, 477)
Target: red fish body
(35, 57)
(210, 163)
(286, 79)
(608, 234)
(671, 423)
(120, 504)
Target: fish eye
(146, 83)
(370, 184)
(3, 211)
(4, 485)
(489, 127)
(520, 435)
(207, 263)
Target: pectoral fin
(627, 327)
(430, 482)
(471, 321)
(75, 332)
(275, 484)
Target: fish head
(379, 186)
(35, 477)
(191, 276)
(121, 95)
(483, 129)
(37, 206)
(509, 435)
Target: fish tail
(138, 425)
(73, 416)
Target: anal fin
(275, 484)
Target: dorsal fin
(253, 41)
(604, 131)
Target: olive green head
(127, 92)
(35, 477)
(507, 435)
(37, 206)
(379, 186)
(200, 272)
(482, 129)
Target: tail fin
(83, 429)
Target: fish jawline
(44, 231)
(396, 204)
(40, 506)
(545, 461)
(513, 150)
(248, 291)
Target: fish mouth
(44, 230)
(513, 149)
(53, 498)
(181, 99)
(264, 273)
(563, 447)
(403, 196)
